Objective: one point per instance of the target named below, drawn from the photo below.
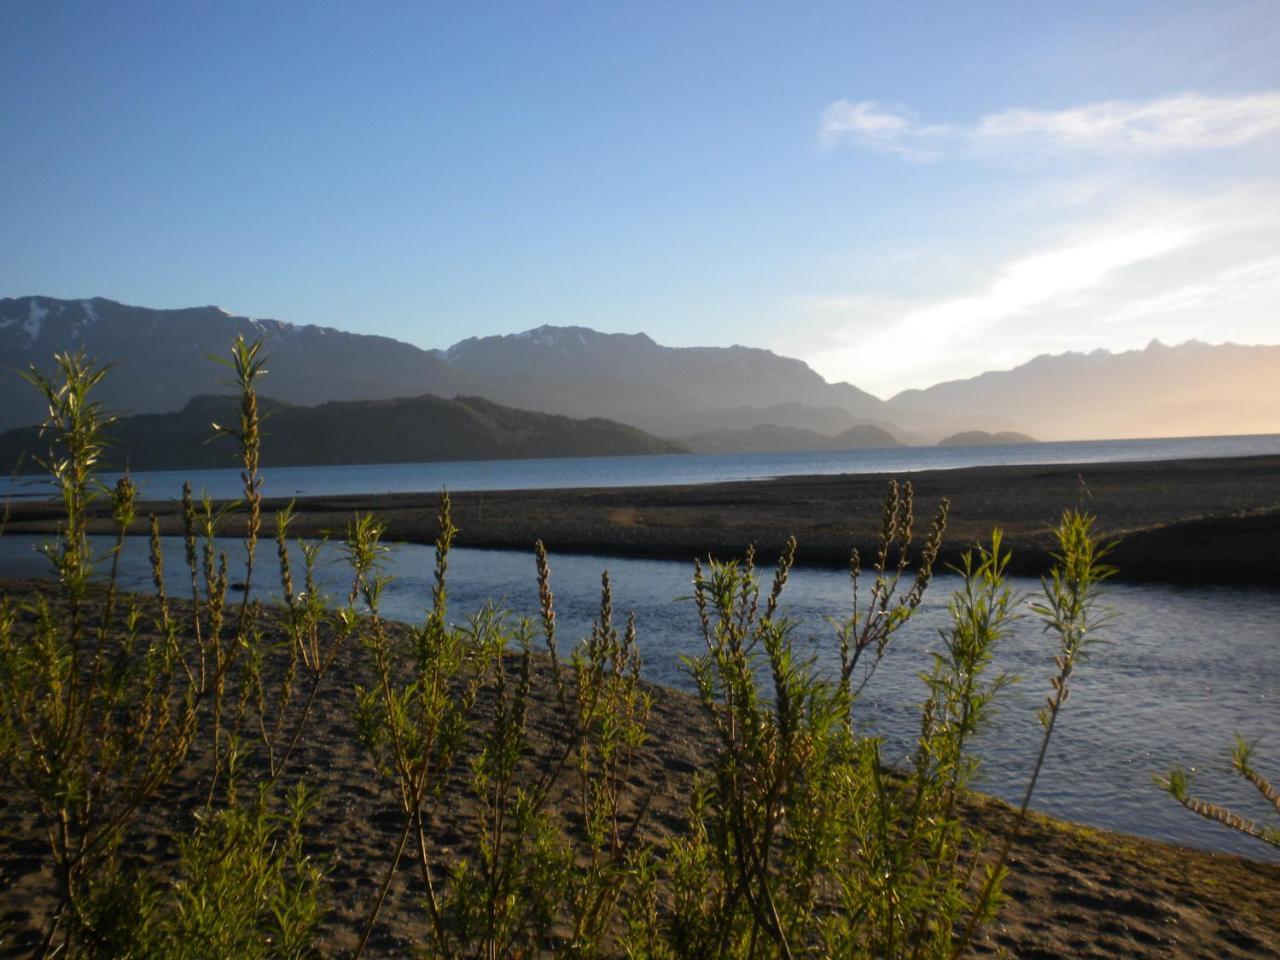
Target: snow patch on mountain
(88, 317)
(276, 331)
(35, 320)
(458, 349)
(548, 336)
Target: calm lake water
(1181, 670)
(659, 470)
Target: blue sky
(897, 193)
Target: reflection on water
(1181, 670)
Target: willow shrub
(110, 701)
(801, 841)
(1179, 781)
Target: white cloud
(865, 118)
(1043, 277)
(869, 122)
(1150, 250)
(1229, 287)
(1182, 123)
(1173, 267)
(1186, 122)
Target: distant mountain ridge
(1193, 389)
(420, 429)
(669, 391)
(160, 357)
(573, 371)
(632, 378)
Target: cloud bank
(1182, 123)
(1162, 266)
(1135, 246)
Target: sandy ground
(1073, 891)
(1189, 520)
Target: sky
(898, 194)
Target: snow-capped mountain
(161, 357)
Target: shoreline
(1179, 521)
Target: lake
(1181, 670)
(657, 470)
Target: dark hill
(409, 430)
(865, 436)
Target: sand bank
(1181, 521)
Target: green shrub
(803, 842)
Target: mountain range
(720, 397)
(1189, 390)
